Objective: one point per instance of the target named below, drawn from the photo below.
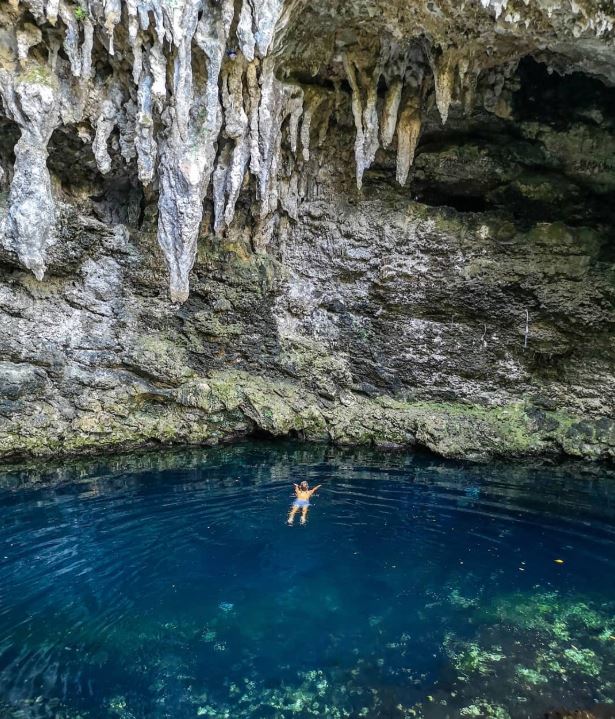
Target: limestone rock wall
(354, 221)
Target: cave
(363, 222)
(307, 359)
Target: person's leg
(291, 516)
(304, 512)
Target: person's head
(304, 485)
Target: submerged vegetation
(525, 654)
(543, 646)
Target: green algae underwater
(168, 585)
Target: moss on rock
(228, 404)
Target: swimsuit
(301, 503)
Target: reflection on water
(169, 585)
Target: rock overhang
(207, 95)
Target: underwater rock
(547, 646)
(599, 711)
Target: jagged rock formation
(168, 108)
(225, 129)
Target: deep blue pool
(169, 585)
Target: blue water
(169, 585)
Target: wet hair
(304, 485)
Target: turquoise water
(169, 585)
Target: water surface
(169, 585)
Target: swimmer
(302, 501)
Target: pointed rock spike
(408, 133)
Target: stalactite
(408, 132)
(188, 153)
(219, 182)
(287, 100)
(365, 115)
(313, 100)
(245, 35)
(389, 111)
(229, 173)
(106, 121)
(235, 117)
(266, 16)
(468, 80)
(444, 67)
(158, 67)
(325, 113)
(370, 117)
(236, 174)
(86, 49)
(498, 5)
(357, 114)
(145, 144)
(112, 14)
(269, 123)
(71, 38)
(29, 226)
(254, 96)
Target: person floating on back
(302, 501)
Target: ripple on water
(170, 585)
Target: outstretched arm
(318, 486)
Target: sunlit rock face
(353, 202)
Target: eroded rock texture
(371, 222)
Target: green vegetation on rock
(549, 643)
